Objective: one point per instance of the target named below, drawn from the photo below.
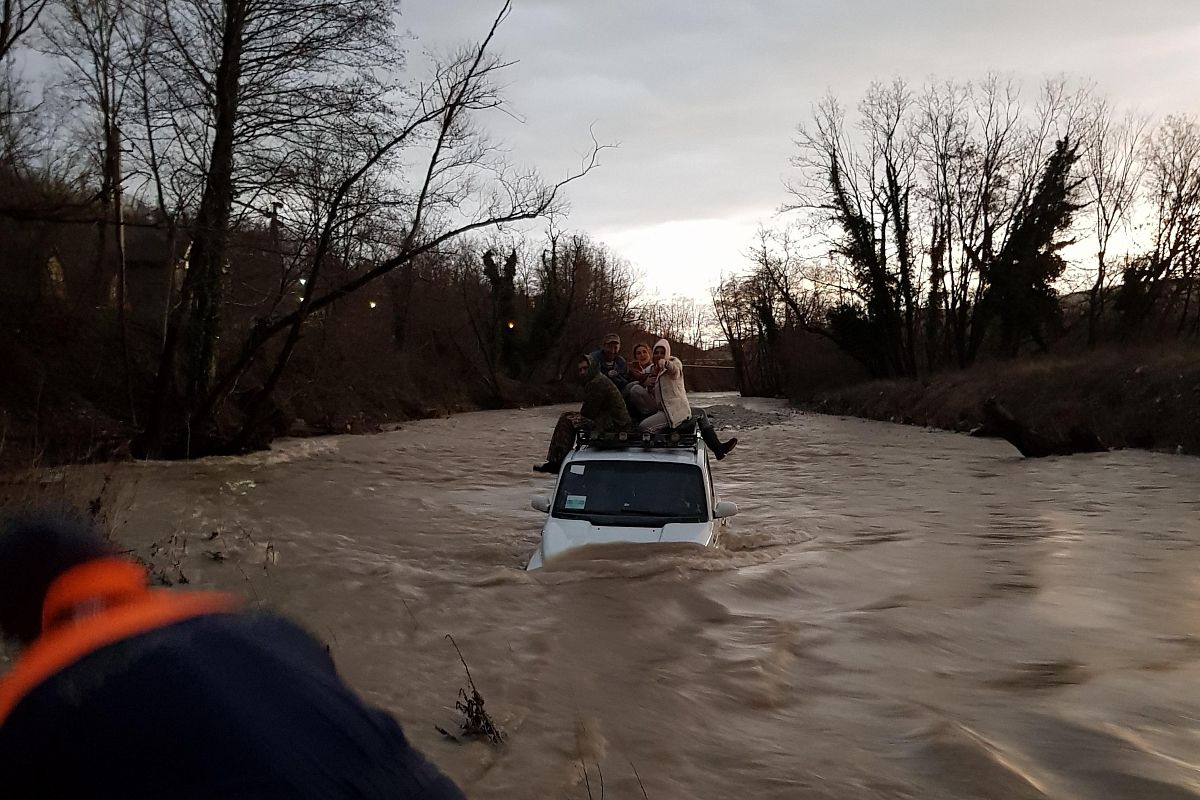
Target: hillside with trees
(225, 221)
(976, 226)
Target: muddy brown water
(896, 613)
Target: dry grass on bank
(1145, 398)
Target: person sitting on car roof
(669, 391)
(609, 362)
(640, 398)
(603, 410)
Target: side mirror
(542, 503)
(724, 509)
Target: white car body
(665, 493)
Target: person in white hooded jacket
(674, 409)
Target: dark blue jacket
(230, 705)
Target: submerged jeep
(631, 487)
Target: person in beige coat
(674, 409)
(667, 387)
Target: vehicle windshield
(631, 493)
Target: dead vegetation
(97, 494)
(165, 561)
(1141, 398)
(476, 722)
(599, 792)
(587, 783)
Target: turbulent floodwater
(896, 613)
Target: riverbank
(60, 425)
(1146, 398)
(49, 422)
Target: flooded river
(896, 613)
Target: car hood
(560, 535)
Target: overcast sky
(703, 96)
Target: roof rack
(617, 440)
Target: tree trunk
(195, 322)
(114, 148)
(211, 229)
(1095, 301)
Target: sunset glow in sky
(703, 96)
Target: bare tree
(93, 40)
(18, 131)
(807, 287)
(1163, 282)
(977, 156)
(247, 82)
(1114, 174)
(17, 18)
(748, 310)
(860, 197)
(464, 185)
(18, 134)
(911, 208)
(679, 319)
(87, 38)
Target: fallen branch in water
(1032, 444)
(476, 723)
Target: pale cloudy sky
(703, 96)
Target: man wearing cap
(609, 362)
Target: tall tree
(462, 185)
(1021, 279)
(94, 41)
(1163, 282)
(1113, 171)
(501, 279)
(249, 82)
(860, 196)
(17, 18)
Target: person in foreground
(131, 692)
(672, 401)
(603, 409)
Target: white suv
(633, 487)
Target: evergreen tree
(1020, 290)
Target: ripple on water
(893, 614)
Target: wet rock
(726, 416)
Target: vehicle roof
(668, 455)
